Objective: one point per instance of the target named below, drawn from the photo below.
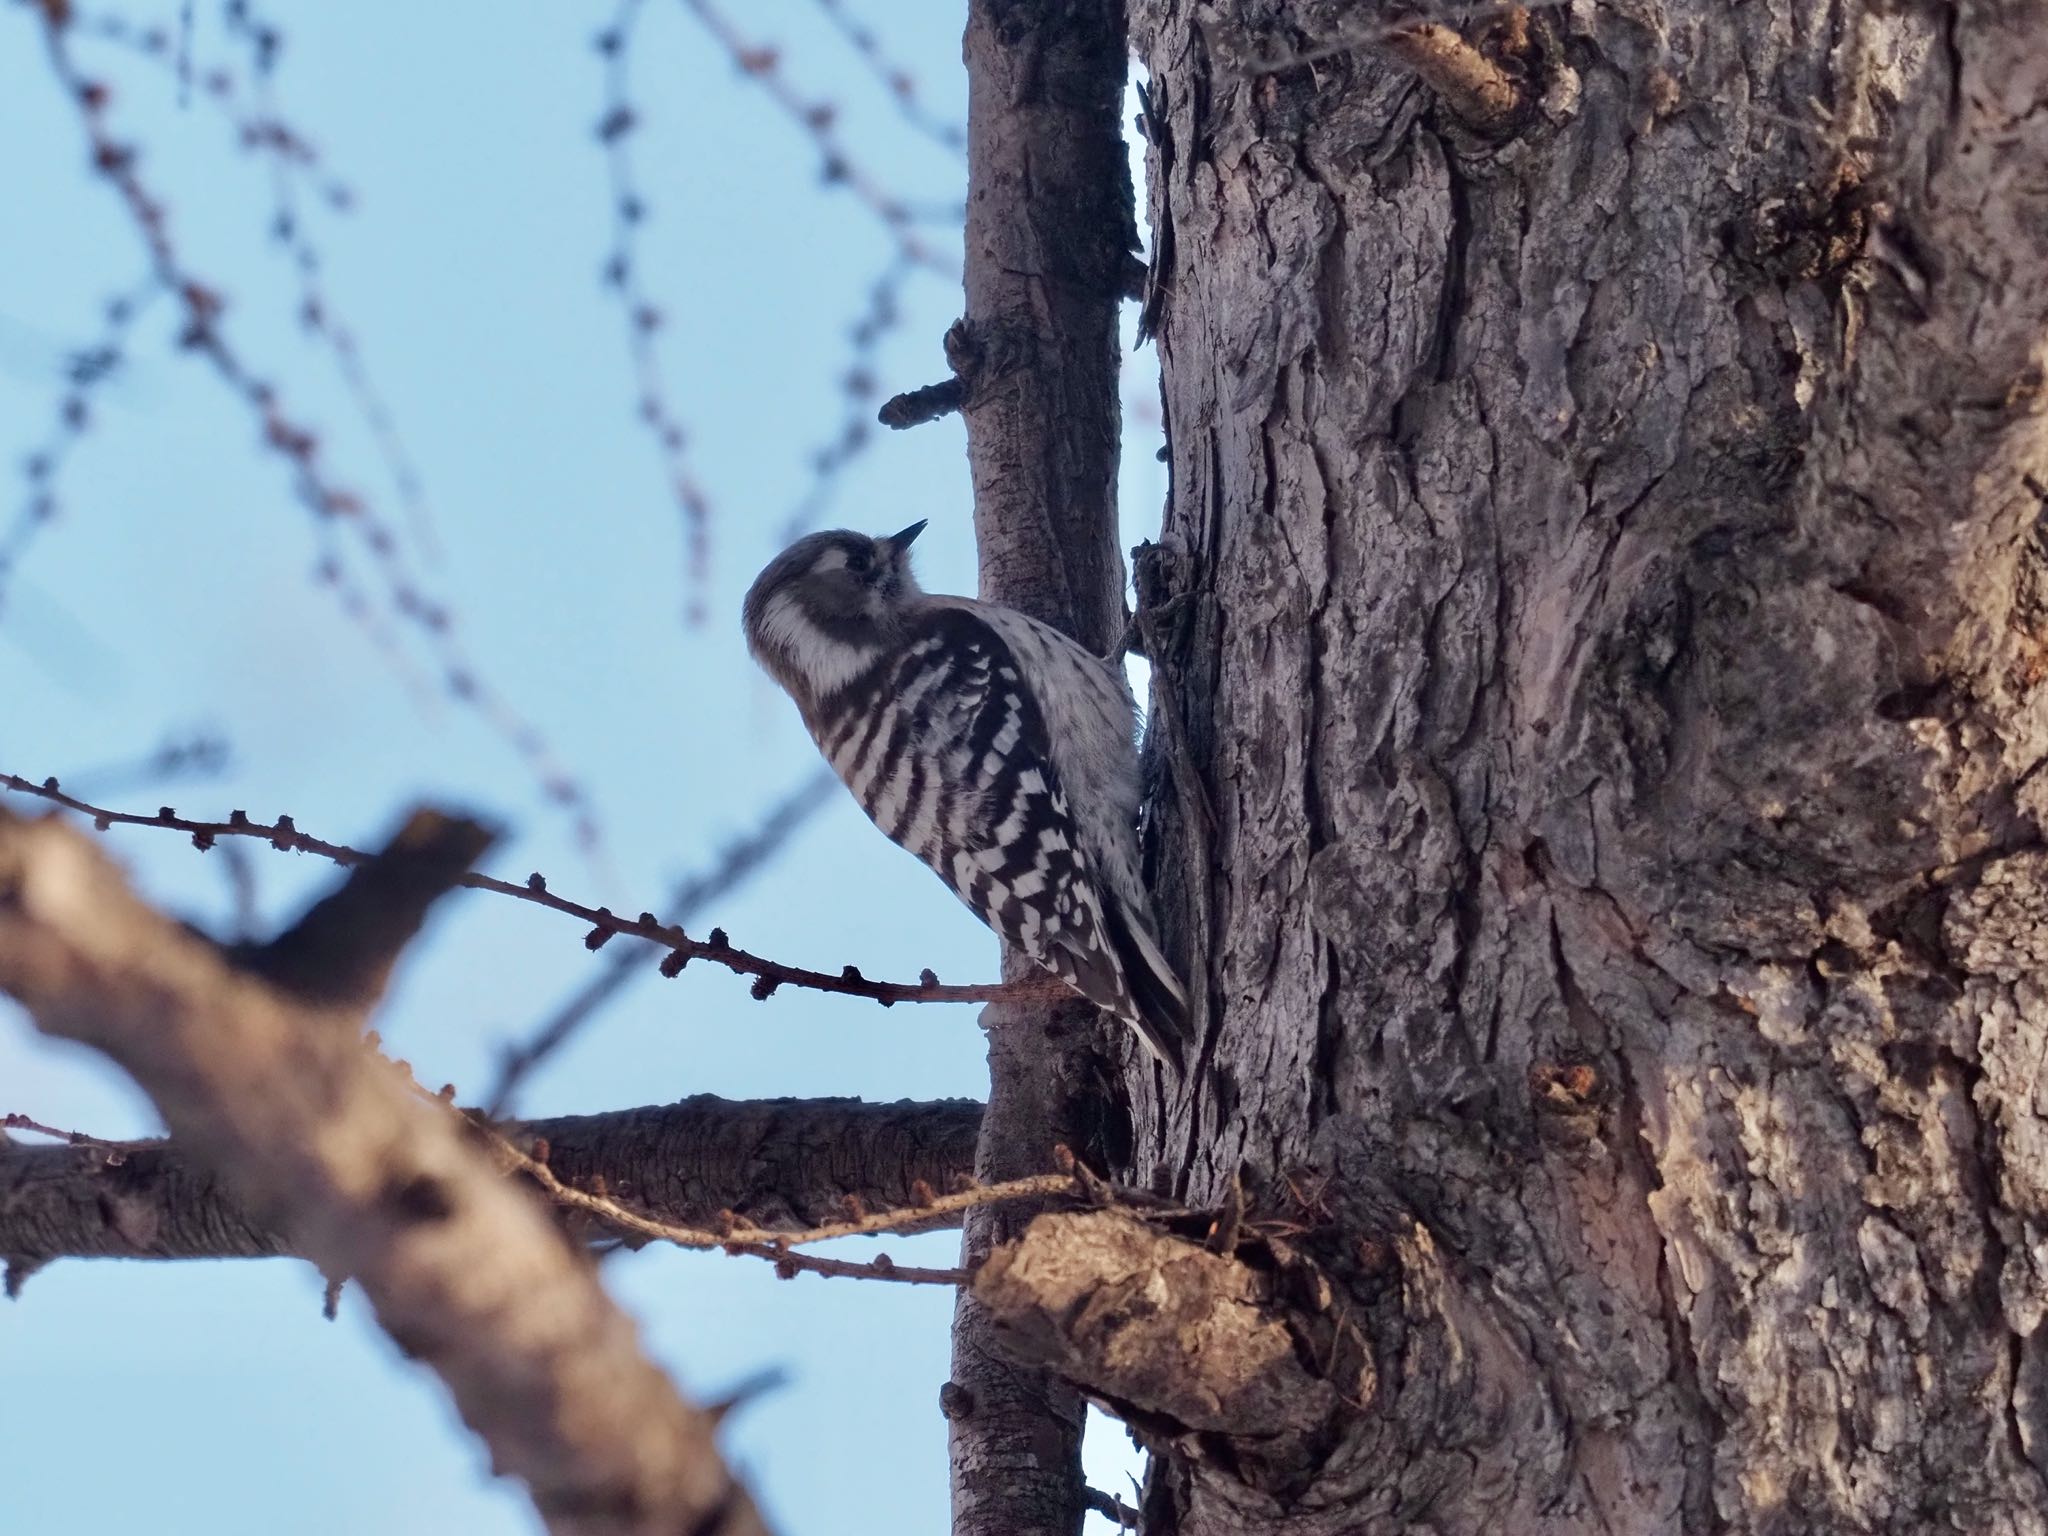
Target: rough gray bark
(1613, 628)
(1048, 248)
(780, 1165)
(258, 1063)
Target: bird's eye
(858, 561)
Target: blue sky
(175, 596)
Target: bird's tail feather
(1159, 1002)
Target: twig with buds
(819, 120)
(338, 509)
(86, 369)
(292, 160)
(898, 81)
(739, 861)
(605, 924)
(644, 317)
(857, 385)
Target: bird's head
(824, 608)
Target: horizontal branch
(929, 1210)
(605, 924)
(1154, 1322)
(775, 1165)
(915, 407)
(466, 1272)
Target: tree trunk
(1605, 611)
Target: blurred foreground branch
(280, 1095)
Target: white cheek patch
(825, 663)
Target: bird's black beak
(901, 541)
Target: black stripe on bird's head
(826, 599)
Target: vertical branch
(1049, 236)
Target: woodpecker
(990, 745)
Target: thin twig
(117, 1149)
(734, 865)
(292, 159)
(857, 386)
(86, 370)
(260, 128)
(604, 923)
(819, 120)
(780, 1248)
(644, 317)
(893, 77)
(202, 754)
(338, 510)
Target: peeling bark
(780, 1165)
(1610, 639)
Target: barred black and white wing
(946, 747)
